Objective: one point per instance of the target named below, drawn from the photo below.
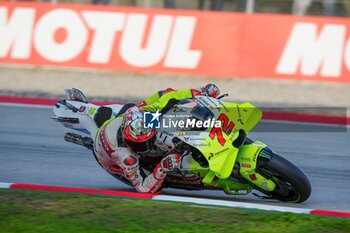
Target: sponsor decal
(252, 177)
(222, 151)
(115, 169)
(193, 139)
(181, 134)
(312, 50)
(132, 174)
(129, 161)
(246, 165)
(246, 159)
(98, 37)
(200, 144)
(82, 109)
(159, 41)
(191, 133)
(266, 153)
(92, 111)
(105, 143)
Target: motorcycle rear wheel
(291, 183)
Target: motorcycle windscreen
(218, 149)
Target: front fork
(247, 159)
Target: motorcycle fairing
(218, 149)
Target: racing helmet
(136, 137)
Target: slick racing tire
(291, 183)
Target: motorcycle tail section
(76, 115)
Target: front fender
(248, 158)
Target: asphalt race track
(32, 150)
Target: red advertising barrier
(175, 41)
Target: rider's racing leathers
(118, 160)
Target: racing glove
(168, 164)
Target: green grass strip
(39, 211)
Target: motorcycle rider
(120, 142)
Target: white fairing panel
(85, 114)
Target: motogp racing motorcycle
(211, 153)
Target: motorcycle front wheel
(291, 183)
